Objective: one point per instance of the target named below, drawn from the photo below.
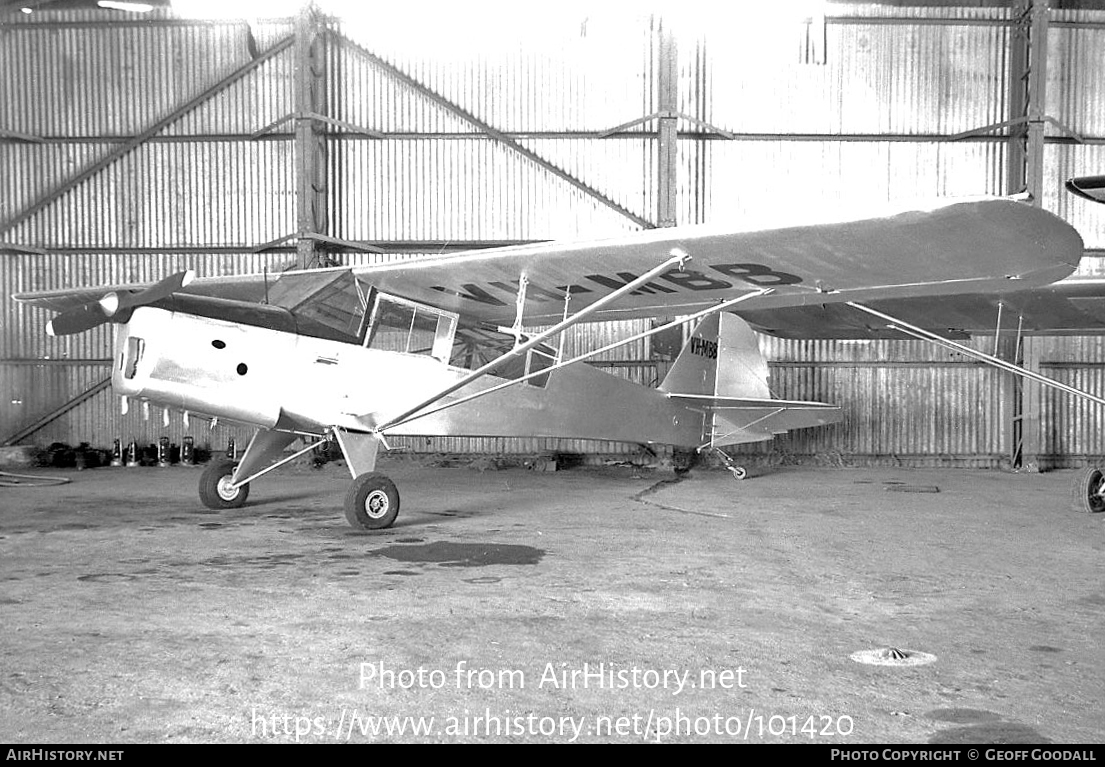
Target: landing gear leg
(1088, 491)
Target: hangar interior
(136, 144)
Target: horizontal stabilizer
(739, 403)
(736, 425)
(736, 420)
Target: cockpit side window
(477, 345)
(399, 325)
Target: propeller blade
(96, 313)
(113, 303)
(77, 320)
(1090, 187)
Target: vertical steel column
(1016, 163)
(1016, 147)
(667, 88)
(1037, 99)
(1030, 414)
(310, 143)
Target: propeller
(1090, 187)
(95, 313)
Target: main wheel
(215, 489)
(1088, 489)
(372, 502)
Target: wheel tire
(214, 493)
(738, 472)
(1087, 491)
(372, 502)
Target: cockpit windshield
(338, 306)
(325, 304)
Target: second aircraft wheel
(1088, 489)
(215, 489)
(372, 502)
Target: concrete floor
(131, 614)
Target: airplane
(444, 345)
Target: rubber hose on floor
(7, 479)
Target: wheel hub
(376, 504)
(226, 489)
(1097, 497)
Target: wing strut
(677, 260)
(989, 359)
(587, 355)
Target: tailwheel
(1089, 491)
(738, 472)
(372, 502)
(216, 491)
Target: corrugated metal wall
(859, 108)
(1067, 431)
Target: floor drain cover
(912, 488)
(892, 656)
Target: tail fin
(721, 359)
(722, 371)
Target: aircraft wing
(975, 246)
(1071, 307)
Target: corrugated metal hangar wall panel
(471, 189)
(139, 149)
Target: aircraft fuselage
(273, 379)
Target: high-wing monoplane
(448, 345)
